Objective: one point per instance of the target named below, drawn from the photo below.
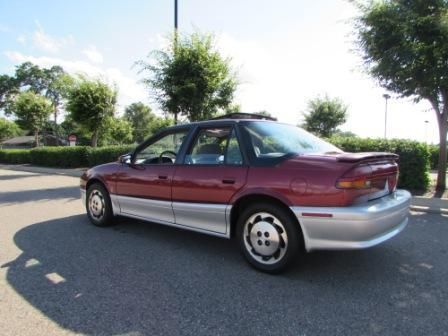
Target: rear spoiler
(367, 156)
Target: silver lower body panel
(354, 227)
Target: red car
(276, 188)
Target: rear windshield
(273, 140)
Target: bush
(414, 157)
(15, 156)
(64, 157)
(100, 155)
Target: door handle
(163, 177)
(228, 181)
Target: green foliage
(324, 115)
(31, 111)
(140, 117)
(116, 131)
(91, 103)
(100, 155)
(8, 88)
(64, 157)
(8, 129)
(414, 157)
(15, 156)
(404, 46)
(190, 77)
(434, 151)
(144, 122)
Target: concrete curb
(418, 203)
(74, 172)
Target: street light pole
(175, 15)
(175, 44)
(386, 97)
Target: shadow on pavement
(39, 195)
(15, 176)
(147, 279)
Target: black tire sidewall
(108, 215)
(292, 230)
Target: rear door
(212, 172)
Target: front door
(212, 172)
(144, 184)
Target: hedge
(15, 156)
(414, 157)
(64, 157)
(99, 155)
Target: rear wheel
(98, 205)
(269, 237)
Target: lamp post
(386, 97)
(175, 15)
(175, 44)
(426, 131)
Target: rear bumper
(355, 227)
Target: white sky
(283, 58)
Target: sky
(285, 53)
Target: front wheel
(98, 205)
(269, 237)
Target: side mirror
(126, 158)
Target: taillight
(356, 178)
(353, 183)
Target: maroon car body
(215, 177)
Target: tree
(8, 87)
(324, 115)
(190, 77)
(8, 129)
(403, 44)
(90, 103)
(32, 112)
(57, 87)
(116, 131)
(140, 117)
(144, 122)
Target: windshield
(271, 140)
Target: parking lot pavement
(59, 275)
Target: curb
(74, 172)
(418, 208)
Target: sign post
(72, 140)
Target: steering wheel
(167, 152)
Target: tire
(269, 237)
(99, 206)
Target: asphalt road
(59, 275)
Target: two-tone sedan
(276, 188)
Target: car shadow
(149, 279)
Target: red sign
(72, 138)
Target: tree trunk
(95, 138)
(36, 137)
(441, 173)
(56, 125)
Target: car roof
(225, 120)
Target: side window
(233, 155)
(163, 151)
(214, 146)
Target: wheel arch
(244, 201)
(94, 180)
